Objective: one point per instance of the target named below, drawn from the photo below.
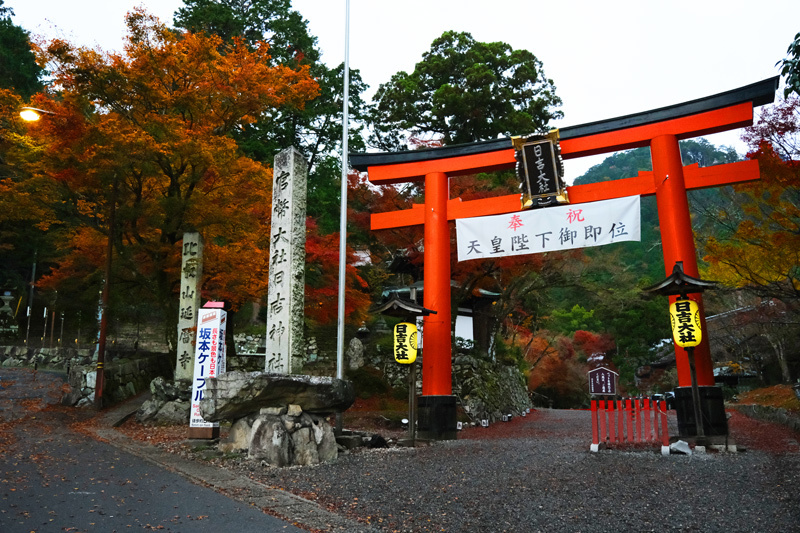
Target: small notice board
(603, 382)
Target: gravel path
(536, 474)
(532, 474)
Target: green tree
(271, 21)
(790, 67)
(317, 128)
(17, 61)
(463, 91)
(576, 319)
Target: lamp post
(33, 114)
(407, 310)
(101, 340)
(30, 301)
(681, 285)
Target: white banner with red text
(549, 229)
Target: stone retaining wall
(489, 390)
(770, 414)
(486, 389)
(126, 373)
(124, 378)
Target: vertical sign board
(540, 171)
(287, 251)
(603, 382)
(191, 277)
(209, 360)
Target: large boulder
(283, 437)
(234, 395)
(355, 354)
(270, 441)
(168, 390)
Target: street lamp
(32, 114)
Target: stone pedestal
(436, 418)
(284, 436)
(204, 433)
(712, 411)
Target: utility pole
(30, 301)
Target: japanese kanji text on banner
(550, 229)
(209, 358)
(686, 326)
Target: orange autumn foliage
(761, 248)
(150, 131)
(322, 278)
(556, 371)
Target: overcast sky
(607, 59)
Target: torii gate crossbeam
(660, 129)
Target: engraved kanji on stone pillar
(287, 250)
(191, 278)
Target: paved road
(56, 479)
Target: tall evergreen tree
(463, 91)
(17, 61)
(317, 129)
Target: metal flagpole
(343, 213)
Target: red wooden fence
(629, 420)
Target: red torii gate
(660, 129)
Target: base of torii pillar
(712, 412)
(436, 418)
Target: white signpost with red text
(209, 362)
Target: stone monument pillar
(191, 279)
(287, 251)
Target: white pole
(343, 213)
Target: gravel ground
(532, 474)
(537, 474)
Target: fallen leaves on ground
(155, 435)
(779, 396)
(764, 436)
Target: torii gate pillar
(677, 241)
(437, 405)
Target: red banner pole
(629, 416)
(602, 413)
(664, 430)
